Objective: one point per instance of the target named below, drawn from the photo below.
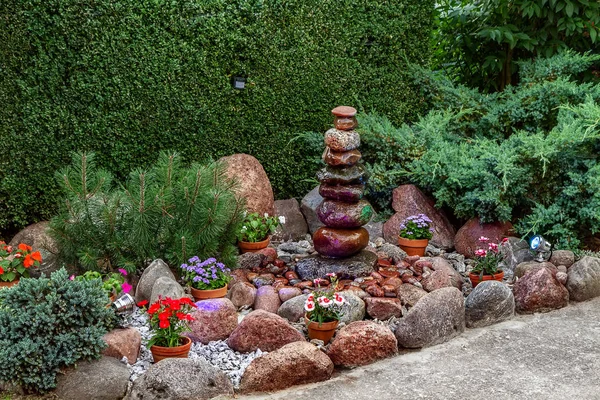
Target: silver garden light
(124, 304)
(542, 247)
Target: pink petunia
(126, 287)
(480, 252)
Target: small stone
(338, 214)
(250, 260)
(344, 193)
(383, 308)
(123, 343)
(338, 140)
(375, 291)
(362, 343)
(562, 257)
(242, 294)
(354, 175)
(562, 277)
(270, 255)
(293, 309)
(238, 275)
(344, 111)
(267, 299)
(287, 292)
(338, 159)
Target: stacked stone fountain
(341, 241)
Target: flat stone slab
(313, 267)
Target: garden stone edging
(103, 379)
(489, 303)
(362, 343)
(584, 279)
(539, 291)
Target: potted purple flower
(208, 279)
(415, 232)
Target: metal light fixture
(238, 82)
(124, 304)
(542, 247)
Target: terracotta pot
(475, 279)
(413, 247)
(160, 353)
(8, 284)
(111, 300)
(253, 247)
(209, 294)
(322, 332)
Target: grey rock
(85, 381)
(295, 227)
(393, 251)
(436, 318)
(39, 238)
(250, 260)
(489, 303)
(516, 251)
(166, 287)
(293, 309)
(375, 229)
(293, 248)
(354, 308)
(308, 206)
(584, 279)
(158, 268)
(563, 257)
(361, 264)
(181, 379)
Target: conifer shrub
(169, 211)
(47, 324)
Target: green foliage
(480, 43)
(128, 78)
(111, 283)
(528, 154)
(47, 324)
(256, 228)
(168, 211)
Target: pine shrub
(47, 324)
(169, 211)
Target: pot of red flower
(169, 319)
(207, 279)
(415, 232)
(254, 235)
(15, 263)
(323, 312)
(488, 257)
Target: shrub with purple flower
(416, 227)
(205, 275)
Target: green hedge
(127, 78)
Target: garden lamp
(124, 304)
(542, 247)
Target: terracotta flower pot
(253, 247)
(413, 247)
(209, 294)
(322, 332)
(160, 353)
(475, 279)
(8, 284)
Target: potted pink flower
(487, 259)
(323, 312)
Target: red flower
(28, 261)
(164, 324)
(165, 315)
(1, 270)
(36, 256)
(142, 303)
(24, 247)
(153, 308)
(181, 316)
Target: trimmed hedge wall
(127, 78)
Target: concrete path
(543, 356)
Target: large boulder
(242, 294)
(295, 227)
(539, 291)
(293, 309)
(362, 343)
(515, 252)
(467, 237)
(181, 379)
(383, 308)
(584, 279)
(214, 319)
(84, 381)
(408, 200)
(123, 343)
(489, 303)
(436, 318)
(166, 287)
(263, 330)
(527, 266)
(294, 364)
(158, 268)
(254, 184)
(309, 206)
(267, 299)
(37, 237)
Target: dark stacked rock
(343, 211)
